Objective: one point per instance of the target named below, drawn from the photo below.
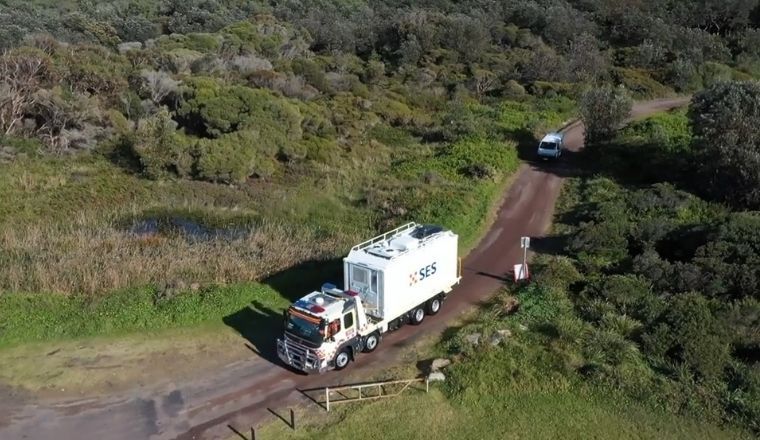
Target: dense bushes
(656, 289)
(665, 283)
(223, 67)
(724, 118)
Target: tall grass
(81, 257)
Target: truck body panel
(402, 271)
(385, 280)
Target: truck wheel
(418, 315)
(370, 342)
(434, 305)
(342, 359)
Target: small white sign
(524, 242)
(521, 272)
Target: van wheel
(434, 305)
(342, 359)
(370, 342)
(418, 315)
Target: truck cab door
(349, 324)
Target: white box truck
(396, 278)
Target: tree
(161, 148)
(586, 61)
(159, 84)
(724, 120)
(20, 75)
(603, 109)
(483, 82)
(62, 114)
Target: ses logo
(424, 272)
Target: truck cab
(322, 331)
(551, 146)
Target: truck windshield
(548, 146)
(304, 329)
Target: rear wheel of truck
(370, 342)
(342, 359)
(418, 315)
(434, 305)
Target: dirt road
(241, 392)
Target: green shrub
(723, 119)
(392, 111)
(558, 273)
(229, 158)
(95, 70)
(640, 83)
(692, 334)
(203, 42)
(607, 347)
(313, 73)
(181, 60)
(161, 148)
(552, 89)
(683, 75)
(513, 89)
(600, 245)
(215, 109)
(322, 150)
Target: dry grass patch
(82, 258)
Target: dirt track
(240, 393)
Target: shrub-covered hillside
(159, 145)
(656, 289)
(245, 84)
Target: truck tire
(371, 342)
(417, 316)
(434, 305)
(342, 359)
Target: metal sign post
(521, 270)
(525, 244)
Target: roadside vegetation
(642, 318)
(166, 155)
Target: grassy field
(89, 248)
(522, 414)
(524, 388)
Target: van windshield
(303, 328)
(548, 146)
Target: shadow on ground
(550, 245)
(260, 324)
(298, 281)
(566, 165)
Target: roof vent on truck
(423, 231)
(399, 241)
